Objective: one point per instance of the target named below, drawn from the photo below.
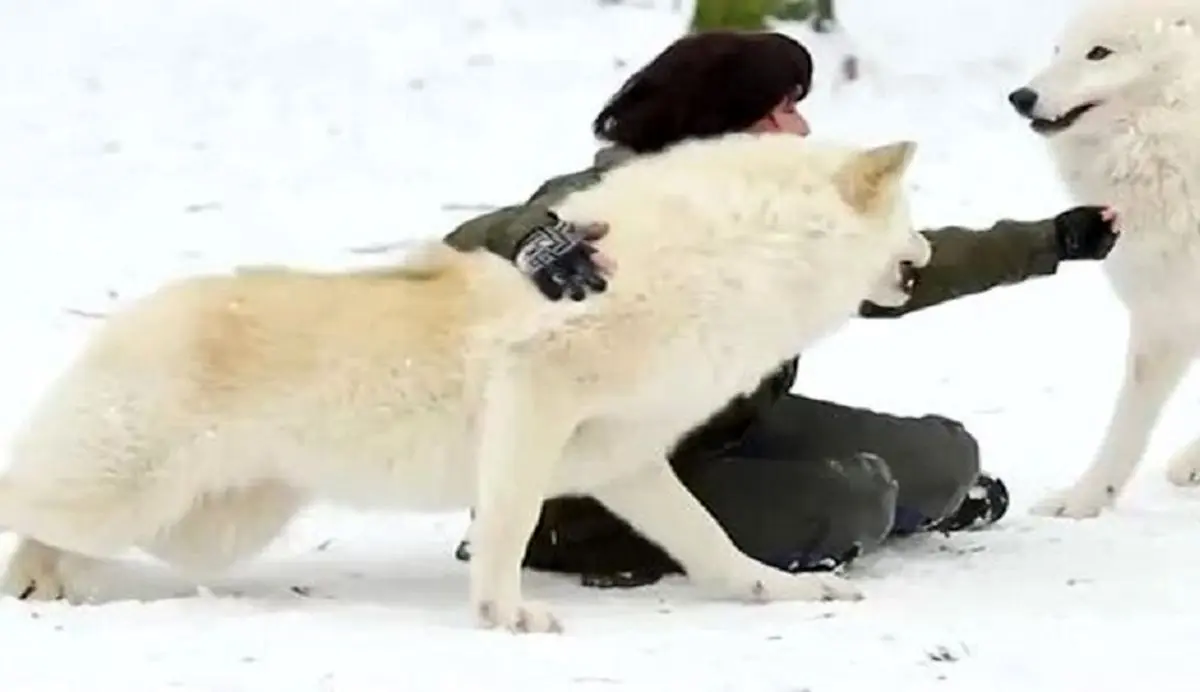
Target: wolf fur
(1136, 150)
(199, 420)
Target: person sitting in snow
(799, 483)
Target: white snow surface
(144, 139)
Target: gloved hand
(559, 258)
(1085, 233)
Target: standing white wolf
(199, 420)
(1119, 106)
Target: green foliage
(748, 15)
(752, 15)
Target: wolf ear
(867, 180)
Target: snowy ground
(160, 138)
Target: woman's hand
(1086, 232)
(560, 259)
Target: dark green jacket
(964, 262)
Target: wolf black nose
(1023, 100)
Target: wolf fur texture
(199, 420)
(1119, 106)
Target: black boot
(985, 504)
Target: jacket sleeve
(501, 231)
(965, 262)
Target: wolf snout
(1023, 100)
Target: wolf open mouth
(908, 278)
(1062, 122)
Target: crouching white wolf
(199, 420)
(1119, 106)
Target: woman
(799, 483)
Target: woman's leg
(795, 514)
(934, 460)
(810, 485)
(794, 511)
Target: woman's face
(784, 117)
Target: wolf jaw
(1050, 126)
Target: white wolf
(199, 420)
(1119, 106)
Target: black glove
(1083, 233)
(558, 259)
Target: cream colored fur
(1138, 151)
(199, 420)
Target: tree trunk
(823, 19)
(731, 14)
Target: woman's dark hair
(703, 85)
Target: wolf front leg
(662, 509)
(524, 429)
(1154, 366)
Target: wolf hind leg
(222, 528)
(70, 524)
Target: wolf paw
(42, 589)
(1184, 470)
(1072, 504)
(808, 586)
(33, 574)
(519, 616)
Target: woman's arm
(965, 262)
(502, 231)
(557, 256)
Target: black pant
(798, 483)
(795, 489)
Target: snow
(143, 140)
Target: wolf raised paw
(520, 617)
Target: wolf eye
(1099, 53)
